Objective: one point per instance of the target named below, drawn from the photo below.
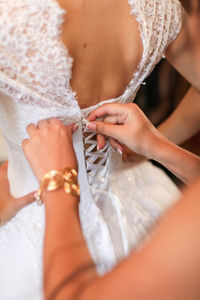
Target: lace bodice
(35, 68)
(35, 74)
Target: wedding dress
(119, 202)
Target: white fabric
(119, 203)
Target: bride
(63, 59)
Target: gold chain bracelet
(54, 180)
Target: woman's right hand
(9, 205)
(126, 124)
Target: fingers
(101, 141)
(117, 147)
(25, 144)
(25, 200)
(42, 124)
(75, 127)
(31, 129)
(106, 129)
(54, 121)
(111, 109)
(3, 170)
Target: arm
(68, 266)
(168, 265)
(184, 122)
(180, 126)
(9, 206)
(157, 271)
(133, 129)
(184, 164)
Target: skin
(113, 70)
(155, 271)
(125, 124)
(172, 128)
(9, 206)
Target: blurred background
(160, 95)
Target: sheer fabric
(119, 203)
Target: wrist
(59, 195)
(54, 180)
(152, 145)
(163, 149)
(59, 200)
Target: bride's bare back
(104, 41)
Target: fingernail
(98, 148)
(113, 149)
(119, 151)
(75, 127)
(91, 126)
(35, 195)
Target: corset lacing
(98, 167)
(96, 162)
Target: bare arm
(167, 267)
(132, 128)
(184, 121)
(184, 164)
(9, 206)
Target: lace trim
(21, 93)
(31, 53)
(47, 43)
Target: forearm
(67, 262)
(144, 275)
(157, 271)
(184, 164)
(184, 122)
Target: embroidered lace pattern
(35, 71)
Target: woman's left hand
(50, 147)
(9, 206)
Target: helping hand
(125, 124)
(50, 147)
(9, 205)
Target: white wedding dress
(119, 202)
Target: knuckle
(101, 127)
(24, 144)
(53, 119)
(45, 132)
(58, 126)
(29, 126)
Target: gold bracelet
(54, 180)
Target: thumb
(106, 129)
(25, 200)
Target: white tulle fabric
(119, 203)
